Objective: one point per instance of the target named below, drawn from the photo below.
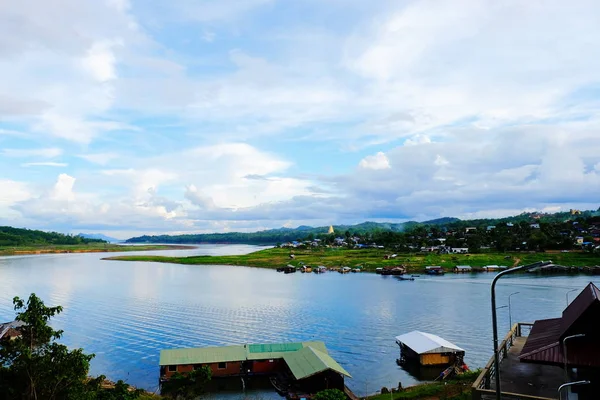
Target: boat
(415, 276)
(344, 270)
(357, 269)
(307, 269)
(401, 278)
(320, 269)
(379, 271)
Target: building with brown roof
(533, 366)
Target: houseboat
(434, 270)
(320, 269)
(357, 269)
(289, 269)
(398, 270)
(494, 268)
(304, 367)
(379, 270)
(463, 268)
(426, 349)
(344, 270)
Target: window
(222, 365)
(172, 368)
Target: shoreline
(68, 249)
(368, 260)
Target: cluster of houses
(337, 242)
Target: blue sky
(128, 117)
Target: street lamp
(564, 385)
(579, 335)
(509, 312)
(494, 321)
(567, 295)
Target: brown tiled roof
(588, 296)
(543, 336)
(544, 344)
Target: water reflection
(126, 312)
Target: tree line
(10, 236)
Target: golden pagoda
(330, 231)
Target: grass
(81, 248)
(369, 259)
(453, 389)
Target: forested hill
(283, 235)
(25, 237)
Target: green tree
(188, 386)
(330, 394)
(34, 366)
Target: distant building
(534, 226)
(579, 240)
(459, 250)
(330, 231)
(470, 229)
(491, 227)
(575, 212)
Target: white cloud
(44, 164)
(99, 158)
(50, 152)
(100, 61)
(377, 161)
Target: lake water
(126, 312)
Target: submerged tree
(34, 366)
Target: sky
(131, 117)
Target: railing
(482, 386)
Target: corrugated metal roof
(588, 296)
(204, 355)
(423, 343)
(309, 361)
(4, 327)
(544, 335)
(544, 344)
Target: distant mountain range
(282, 235)
(272, 236)
(99, 236)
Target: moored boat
(344, 270)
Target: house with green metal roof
(305, 362)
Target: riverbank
(85, 248)
(369, 259)
(458, 388)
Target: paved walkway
(526, 378)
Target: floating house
(427, 349)
(10, 330)
(494, 268)
(434, 270)
(306, 364)
(463, 268)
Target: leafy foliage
(330, 394)
(35, 366)
(10, 236)
(190, 385)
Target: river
(126, 312)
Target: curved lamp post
(494, 321)
(567, 295)
(564, 385)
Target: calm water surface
(125, 312)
